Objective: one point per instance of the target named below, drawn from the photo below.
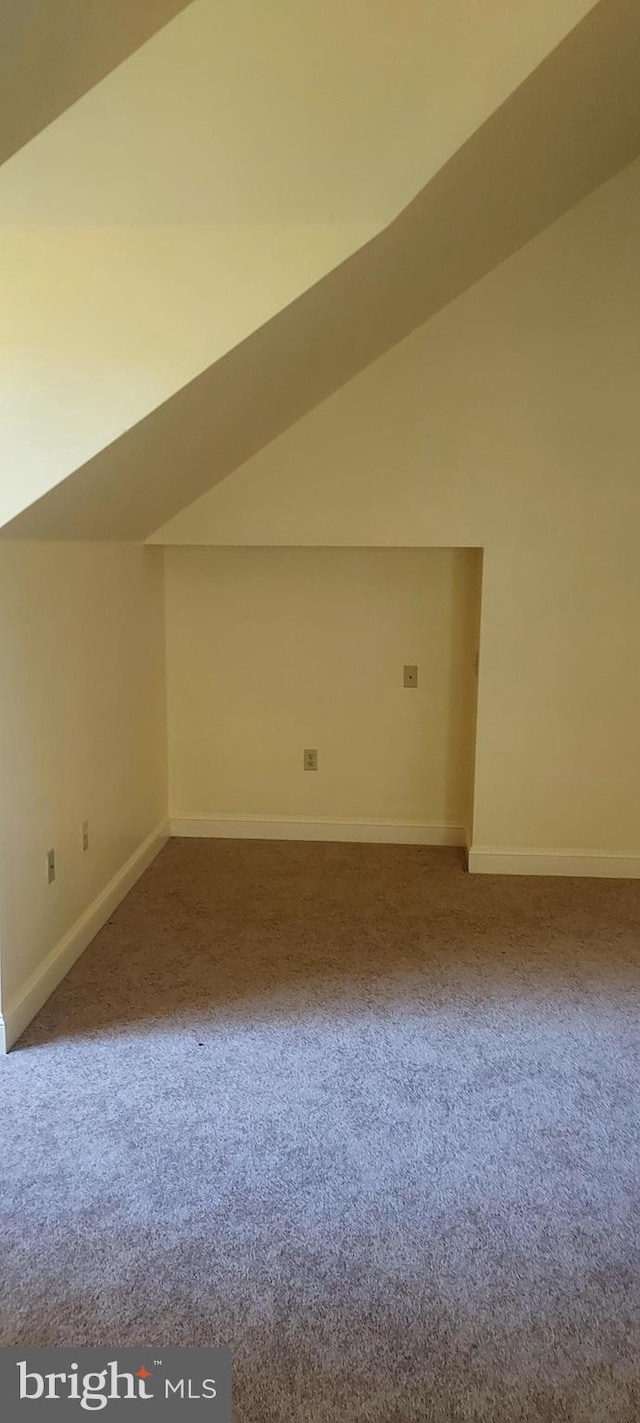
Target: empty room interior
(320, 702)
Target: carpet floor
(368, 1120)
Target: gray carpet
(368, 1120)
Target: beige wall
(282, 113)
(510, 422)
(100, 325)
(82, 735)
(52, 51)
(271, 651)
(224, 168)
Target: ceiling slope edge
(573, 124)
(53, 51)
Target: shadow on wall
(222, 934)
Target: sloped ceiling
(573, 123)
(289, 111)
(225, 167)
(53, 51)
(510, 419)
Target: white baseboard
(594, 864)
(40, 985)
(291, 827)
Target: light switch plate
(410, 674)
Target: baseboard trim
(593, 864)
(42, 982)
(267, 827)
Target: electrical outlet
(410, 677)
(311, 760)
(85, 835)
(51, 866)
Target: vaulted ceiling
(53, 51)
(245, 112)
(197, 338)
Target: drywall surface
(282, 113)
(52, 51)
(274, 651)
(229, 164)
(100, 325)
(82, 733)
(509, 422)
(572, 123)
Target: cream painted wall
(222, 169)
(511, 422)
(242, 112)
(270, 651)
(82, 734)
(52, 51)
(100, 325)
